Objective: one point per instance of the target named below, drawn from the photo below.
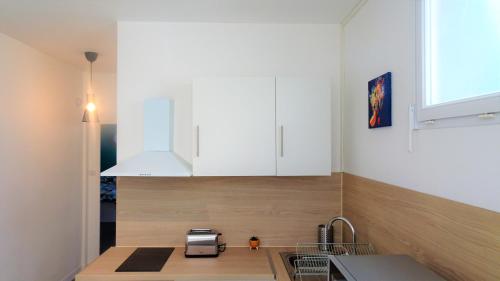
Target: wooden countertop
(233, 264)
(279, 266)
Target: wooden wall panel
(458, 241)
(280, 210)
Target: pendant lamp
(90, 113)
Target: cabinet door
(303, 126)
(234, 127)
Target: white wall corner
(71, 276)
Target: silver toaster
(203, 242)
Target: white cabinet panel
(303, 126)
(234, 127)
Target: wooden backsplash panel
(280, 210)
(458, 241)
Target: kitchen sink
(290, 260)
(310, 260)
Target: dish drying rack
(312, 258)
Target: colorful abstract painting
(379, 101)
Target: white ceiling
(66, 28)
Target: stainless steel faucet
(340, 218)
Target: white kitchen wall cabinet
(234, 127)
(303, 126)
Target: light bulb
(90, 107)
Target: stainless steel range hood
(157, 159)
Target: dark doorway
(108, 188)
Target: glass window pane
(463, 49)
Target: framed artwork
(380, 101)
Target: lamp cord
(91, 74)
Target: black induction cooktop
(146, 260)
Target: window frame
(478, 110)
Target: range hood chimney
(157, 159)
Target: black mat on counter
(146, 260)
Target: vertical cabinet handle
(197, 141)
(281, 145)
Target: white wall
(461, 164)
(40, 165)
(161, 59)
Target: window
(459, 43)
